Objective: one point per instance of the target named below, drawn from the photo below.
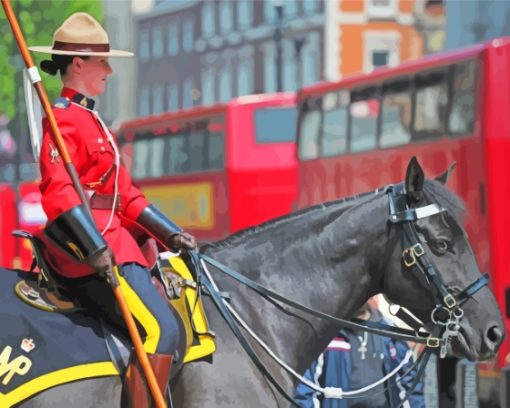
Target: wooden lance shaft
(59, 141)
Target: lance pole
(59, 141)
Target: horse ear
(443, 178)
(414, 181)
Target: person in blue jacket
(354, 360)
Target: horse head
(432, 270)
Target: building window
(157, 42)
(379, 58)
(269, 69)
(208, 86)
(208, 20)
(381, 8)
(143, 102)
(187, 90)
(244, 13)
(173, 38)
(309, 6)
(310, 60)
(226, 17)
(289, 67)
(143, 46)
(187, 34)
(381, 48)
(157, 99)
(289, 8)
(225, 83)
(173, 97)
(269, 11)
(245, 77)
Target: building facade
(476, 21)
(199, 52)
(118, 102)
(365, 34)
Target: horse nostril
(493, 336)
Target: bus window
(275, 125)
(462, 114)
(177, 157)
(156, 165)
(396, 114)
(335, 123)
(197, 150)
(141, 156)
(431, 105)
(364, 111)
(309, 130)
(216, 151)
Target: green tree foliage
(38, 20)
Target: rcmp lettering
(20, 365)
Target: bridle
(446, 316)
(448, 312)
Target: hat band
(78, 47)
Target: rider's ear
(414, 181)
(443, 178)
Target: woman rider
(80, 54)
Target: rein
(446, 316)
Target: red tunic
(92, 156)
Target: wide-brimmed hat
(81, 34)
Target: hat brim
(111, 53)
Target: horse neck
(328, 260)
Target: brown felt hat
(79, 35)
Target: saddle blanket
(40, 349)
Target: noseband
(447, 314)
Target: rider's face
(94, 71)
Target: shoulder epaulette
(61, 103)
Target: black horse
(331, 257)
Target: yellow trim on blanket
(143, 315)
(206, 344)
(59, 377)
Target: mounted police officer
(84, 250)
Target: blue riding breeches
(152, 314)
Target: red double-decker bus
(359, 134)
(20, 208)
(217, 169)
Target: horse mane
(434, 191)
(339, 205)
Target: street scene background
(196, 58)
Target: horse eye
(439, 246)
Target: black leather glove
(182, 241)
(103, 262)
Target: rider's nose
(493, 336)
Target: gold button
(100, 140)
(102, 148)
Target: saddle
(170, 275)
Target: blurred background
(235, 112)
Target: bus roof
(207, 110)
(406, 68)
